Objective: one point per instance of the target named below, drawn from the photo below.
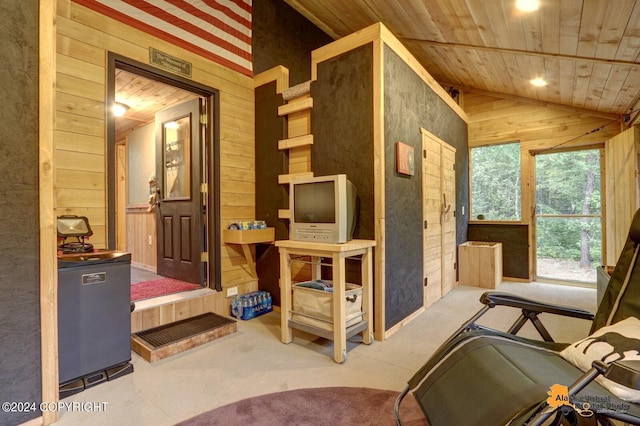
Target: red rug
(159, 287)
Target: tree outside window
(496, 190)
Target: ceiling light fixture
(527, 5)
(119, 109)
(539, 82)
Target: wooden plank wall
(141, 224)
(537, 126)
(83, 39)
(46, 202)
(621, 196)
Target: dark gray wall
(342, 125)
(270, 196)
(410, 104)
(282, 36)
(20, 364)
(342, 128)
(515, 245)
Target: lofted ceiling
(588, 51)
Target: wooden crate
(480, 264)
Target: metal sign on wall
(170, 63)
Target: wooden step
(296, 106)
(170, 339)
(298, 141)
(285, 179)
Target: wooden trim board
(379, 190)
(48, 236)
(278, 74)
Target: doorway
(162, 139)
(568, 216)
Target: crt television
(323, 209)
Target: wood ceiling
(587, 50)
(144, 97)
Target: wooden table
(337, 253)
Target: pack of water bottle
(251, 305)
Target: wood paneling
(174, 309)
(586, 50)
(141, 230)
(438, 207)
(83, 39)
(46, 206)
(621, 174)
(495, 119)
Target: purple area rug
(315, 406)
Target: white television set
(323, 209)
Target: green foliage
(495, 182)
(559, 238)
(567, 183)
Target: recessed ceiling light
(119, 109)
(527, 5)
(539, 82)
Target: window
(496, 190)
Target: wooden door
(448, 219)
(438, 198)
(179, 217)
(431, 208)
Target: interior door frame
(211, 173)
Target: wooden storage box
(480, 264)
(315, 307)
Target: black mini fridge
(94, 319)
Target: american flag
(219, 30)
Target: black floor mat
(170, 333)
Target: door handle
(445, 209)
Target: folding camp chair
(482, 376)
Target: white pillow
(615, 342)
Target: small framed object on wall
(404, 159)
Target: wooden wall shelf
(247, 237)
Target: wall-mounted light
(527, 5)
(538, 82)
(119, 109)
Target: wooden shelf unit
(337, 253)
